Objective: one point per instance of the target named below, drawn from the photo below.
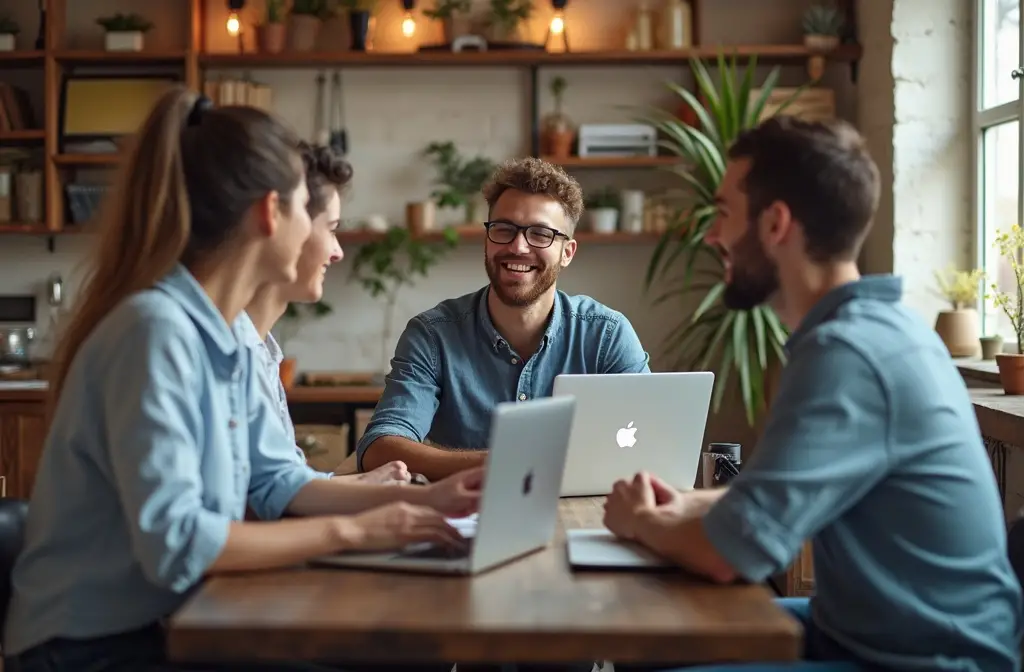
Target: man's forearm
(434, 463)
(340, 496)
(682, 539)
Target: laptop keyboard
(436, 552)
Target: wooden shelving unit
(193, 60)
(475, 234)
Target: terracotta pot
(1011, 372)
(560, 143)
(271, 37)
(958, 329)
(302, 32)
(287, 371)
(420, 216)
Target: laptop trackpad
(600, 549)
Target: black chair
(13, 513)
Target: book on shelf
(239, 92)
(16, 112)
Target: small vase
(821, 42)
(559, 133)
(359, 29)
(958, 330)
(303, 31)
(991, 346)
(287, 371)
(126, 40)
(1011, 372)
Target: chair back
(13, 513)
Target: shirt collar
(887, 288)
(274, 349)
(250, 337)
(496, 340)
(182, 286)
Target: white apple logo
(626, 437)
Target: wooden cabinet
(22, 433)
(800, 575)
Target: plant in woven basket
(713, 337)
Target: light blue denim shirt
(451, 367)
(873, 452)
(160, 439)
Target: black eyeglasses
(503, 233)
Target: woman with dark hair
(159, 435)
(327, 175)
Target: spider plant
(745, 342)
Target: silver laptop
(600, 549)
(519, 504)
(630, 422)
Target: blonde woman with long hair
(159, 435)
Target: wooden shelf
(9, 59)
(100, 56)
(108, 159)
(23, 134)
(614, 161)
(770, 53)
(473, 235)
(25, 228)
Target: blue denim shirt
(160, 438)
(873, 452)
(451, 367)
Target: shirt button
(232, 424)
(515, 361)
(522, 397)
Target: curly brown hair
(536, 176)
(325, 172)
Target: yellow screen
(110, 106)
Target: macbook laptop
(519, 503)
(630, 422)
(600, 549)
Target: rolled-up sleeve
(825, 446)
(621, 350)
(153, 424)
(411, 390)
(277, 471)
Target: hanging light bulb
(557, 40)
(234, 25)
(234, 22)
(408, 23)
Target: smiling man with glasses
(504, 342)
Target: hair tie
(199, 108)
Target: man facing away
(504, 342)
(872, 449)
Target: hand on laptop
(456, 496)
(630, 501)
(399, 524)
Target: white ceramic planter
(7, 42)
(604, 220)
(124, 41)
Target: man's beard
(755, 278)
(520, 296)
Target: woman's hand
(394, 526)
(458, 495)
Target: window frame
(983, 119)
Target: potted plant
(288, 327)
(459, 180)
(822, 24)
(1011, 365)
(744, 344)
(602, 210)
(9, 28)
(991, 346)
(360, 21)
(506, 17)
(272, 30)
(125, 32)
(384, 266)
(304, 23)
(958, 326)
(559, 132)
(453, 15)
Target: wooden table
(531, 610)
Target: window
(1000, 144)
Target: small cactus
(823, 20)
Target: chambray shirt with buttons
(873, 453)
(451, 367)
(160, 439)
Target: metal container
(14, 343)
